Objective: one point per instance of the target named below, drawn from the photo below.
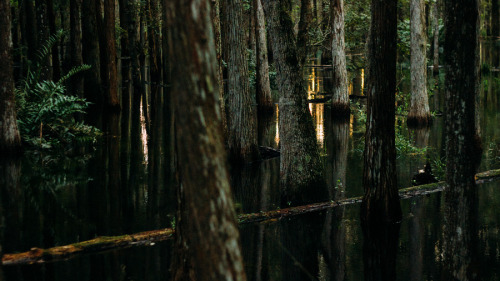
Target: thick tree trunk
(263, 85)
(419, 113)
(207, 239)
(381, 199)
(76, 45)
(435, 24)
(242, 112)
(109, 57)
(340, 97)
(10, 141)
(90, 52)
(463, 150)
(300, 163)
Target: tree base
(414, 121)
(341, 111)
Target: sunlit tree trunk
(299, 162)
(90, 52)
(419, 113)
(10, 141)
(340, 97)
(242, 112)
(463, 150)
(109, 57)
(207, 240)
(263, 85)
(381, 198)
(435, 24)
(76, 45)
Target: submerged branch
(104, 243)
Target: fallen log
(104, 243)
(99, 244)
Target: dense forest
(267, 138)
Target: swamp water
(122, 186)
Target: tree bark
(10, 141)
(76, 45)
(435, 24)
(495, 19)
(216, 20)
(112, 100)
(340, 97)
(463, 149)
(207, 238)
(43, 36)
(242, 113)
(90, 52)
(380, 200)
(264, 99)
(306, 16)
(31, 37)
(419, 113)
(56, 62)
(154, 40)
(299, 163)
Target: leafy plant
(46, 114)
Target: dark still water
(122, 185)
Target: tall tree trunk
(306, 17)
(419, 113)
(91, 51)
(154, 39)
(43, 35)
(435, 24)
(299, 163)
(340, 97)
(216, 20)
(495, 19)
(207, 240)
(381, 198)
(109, 57)
(10, 141)
(56, 62)
(76, 45)
(263, 85)
(463, 144)
(242, 113)
(31, 37)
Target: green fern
(46, 114)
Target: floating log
(100, 244)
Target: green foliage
(402, 103)
(404, 40)
(46, 115)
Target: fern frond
(72, 72)
(44, 50)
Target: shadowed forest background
(249, 140)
